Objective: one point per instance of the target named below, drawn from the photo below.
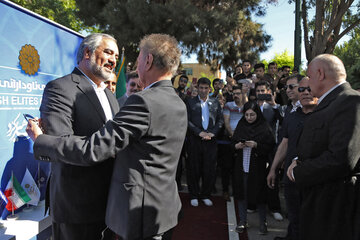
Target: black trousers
(293, 200)
(88, 231)
(226, 164)
(273, 200)
(201, 165)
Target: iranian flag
(15, 194)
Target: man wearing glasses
(132, 86)
(291, 129)
(327, 170)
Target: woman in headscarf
(253, 141)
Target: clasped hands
(34, 129)
(206, 136)
(250, 144)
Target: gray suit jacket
(70, 106)
(146, 136)
(122, 100)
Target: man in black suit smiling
(79, 103)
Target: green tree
(60, 11)
(333, 19)
(349, 53)
(220, 32)
(283, 59)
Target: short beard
(97, 70)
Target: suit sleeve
(56, 109)
(343, 152)
(219, 119)
(130, 124)
(192, 127)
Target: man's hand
(206, 136)
(271, 178)
(251, 144)
(33, 128)
(290, 170)
(239, 145)
(272, 101)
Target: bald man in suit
(328, 170)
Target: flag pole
(13, 216)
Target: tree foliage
(349, 53)
(333, 19)
(220, 32)
(60, 11)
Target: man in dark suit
(146, 136)
(328, 170)
(205, 120)
(80, 103)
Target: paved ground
(275, 228)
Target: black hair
(263, 83)
(204, 80)
(259, 65)
(215, 81)
(184, 76)
(130, 75)
(298, 77)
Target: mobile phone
(264, 97)
(242, 140)
(194, 80)
(28, 117)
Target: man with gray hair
(327, 168)
(146, 136)
(80, 103)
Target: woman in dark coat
(253, 141)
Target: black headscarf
(251, 131)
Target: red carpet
(202, 222)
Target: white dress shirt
(100, 93)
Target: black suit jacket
(329, 152)
(146, 136)
(216, 120)
(71, 106)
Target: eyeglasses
(133, 84)
(291, 86)
(302, 89)
(183, 80)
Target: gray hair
(165, 51)
(91, 42)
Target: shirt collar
(328, 92)
(202, 100)
(152, 84)
(93, 84)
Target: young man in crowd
(204, 122)
(133, 85)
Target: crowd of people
(234, 128)
(258, 128)
(263, 116)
